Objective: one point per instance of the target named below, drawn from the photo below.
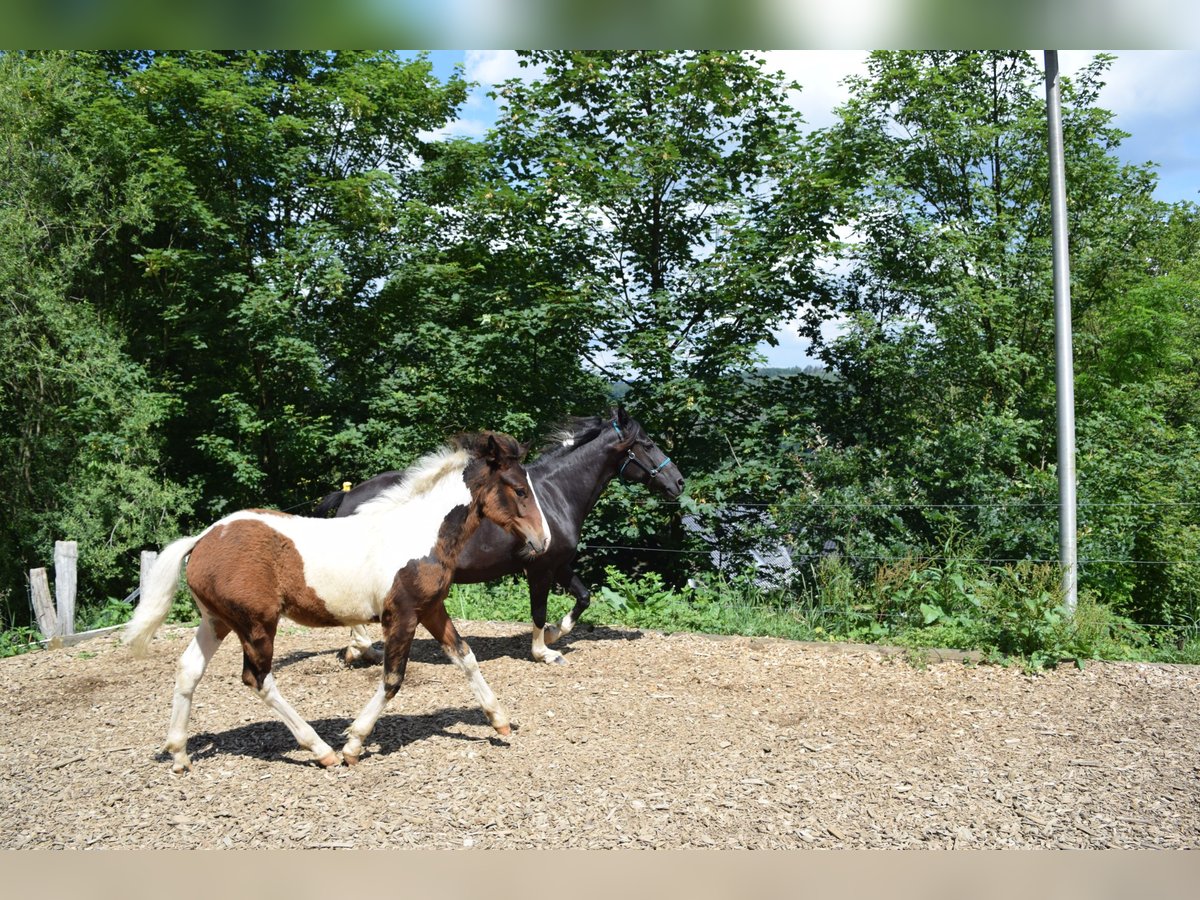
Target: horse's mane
(419, 479)
(572, 433)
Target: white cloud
(490, 67)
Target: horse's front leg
(539, 590)
(438, 623)
(399, 620)
(583, 597)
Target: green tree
(660, 176)
(276, 189)
(81, 423)
(479, 327)
(1139, 362)
(943, 359)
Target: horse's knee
(255, 678)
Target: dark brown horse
(571, 473)
(391, 564)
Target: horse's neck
(450, 504)
(583, 475)
(447, 552)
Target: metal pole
(1064, 377)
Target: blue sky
(1154, 94)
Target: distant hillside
(772, 372)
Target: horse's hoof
(350, 759)
(329, 760)
(353, 659)
(558, 659)
(503, 730)
(179, 768)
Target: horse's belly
(344, 595)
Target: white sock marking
(300, 729)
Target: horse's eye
(521, 493)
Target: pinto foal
(392, 563)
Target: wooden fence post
(66, 553)
(43, 606)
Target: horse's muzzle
(534, 547)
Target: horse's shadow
(270, 740)
(427, 650)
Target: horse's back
(367, 490)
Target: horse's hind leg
(439, 625)
(361, 648)
(256, 673)
(191, 668)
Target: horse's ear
(523, 449)
(491, 450)
(621, 416)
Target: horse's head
(502, 490)
(643, 462)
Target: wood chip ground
(642, 740)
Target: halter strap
(630, 458)
(653, 473)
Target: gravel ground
(642, 740)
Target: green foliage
(663, 176)
(81, 445)
(238, 278)
(112, 612)
(1013, 613)
(18, 640)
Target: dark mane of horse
(573, 433)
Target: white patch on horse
(480, 688)
(192, 665)
(545, 521)
(350, 562)
(564, 436)
(567, 624)
(426, 474)
(304, 733)
(540, 651)
(363, 725)
(362, 647)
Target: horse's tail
(158, 592)
(329, 506)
